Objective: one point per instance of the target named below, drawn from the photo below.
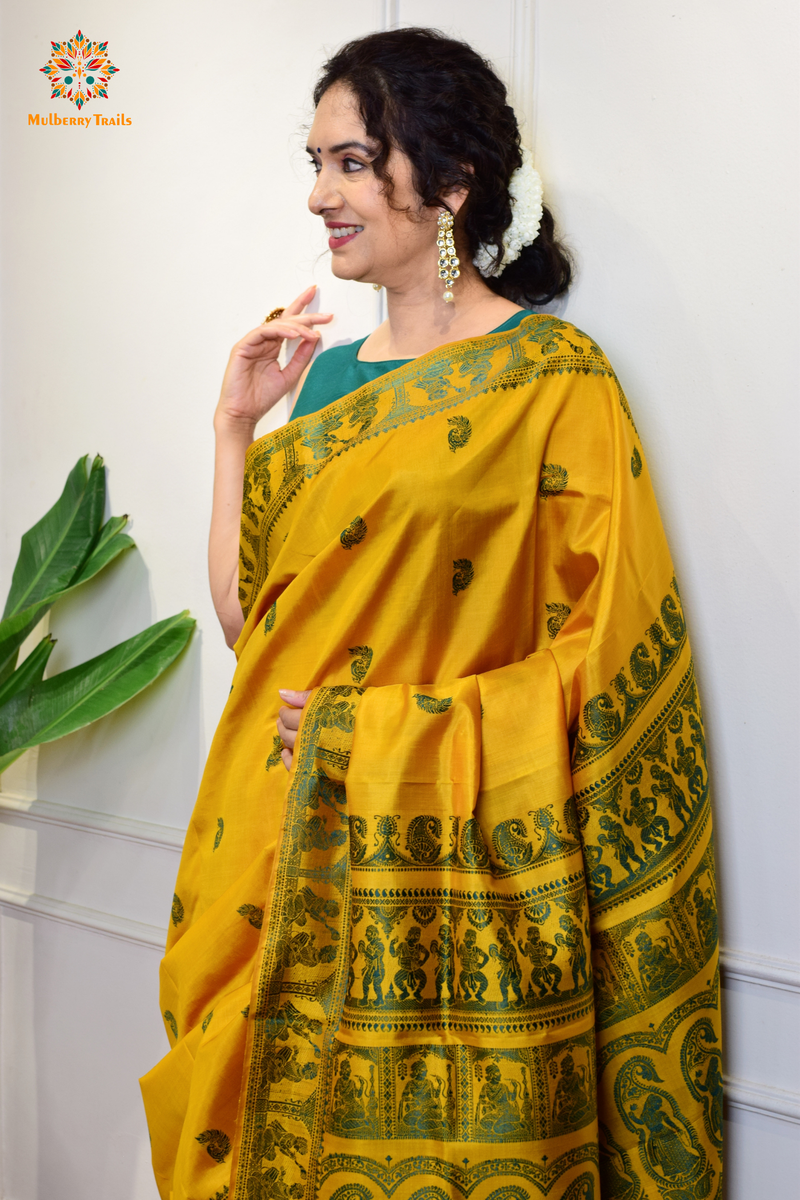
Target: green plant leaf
(110, 543)
(13, 631)
(83, 694)
(56, 547)
(30, 671)
(98, 550)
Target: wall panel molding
(523, 67)
(760, 971)
(84, 918)
(762, 1099)
(128, 829)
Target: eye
(350, 165)
(317, 166)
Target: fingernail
(286, 692)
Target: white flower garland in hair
(525, 190)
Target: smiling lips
(340, 234)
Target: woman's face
(370, 240)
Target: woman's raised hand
(253, 381)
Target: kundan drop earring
(448, 262)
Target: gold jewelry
(273, 316)
(377, 286)
(448, 261)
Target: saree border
(270, 1017)
(461, 1178)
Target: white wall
(134, 257)
(667, 138)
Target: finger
(285, 329)
(296, 699)
(290, 717)
(276, 331)
(286, 759)
(298, 363)
(288, 736)
(298, 304)
(305, 319)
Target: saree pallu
(467, 949)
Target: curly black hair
(444, 107)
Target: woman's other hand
(289, 722)
(253, 381)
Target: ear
(457, 197)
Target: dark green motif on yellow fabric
(173, 1024)
(476, 365)
(219, 833)
(636, 463)
(258, 478)
(223, 1195)
(217, 1143)
(356, 532)
(253, 914)
(517, 844)
(669, 1149)
(177, 910)
(463, 575)
(246, 574)
(647, 958)
(462, 1093)
(461, 1179)
(642, 821)
(553, 480)
(548, 333)
(701, 1065)
(274, 1139)
(461, 432)
(321, 435)
(618, 1179)
(434, 380)
(558, 615)
(252, 514)
(269, 619)
(207, 1020)
(274, 756)
(469, 960)
(658, 1038)
(246, 1012)
(430, 704)
(361, 661)
(604, 719)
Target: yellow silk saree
(467, 950)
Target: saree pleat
(467, 949)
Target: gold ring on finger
(273, 316)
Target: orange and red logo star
(79, 70)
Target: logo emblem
(79, 70)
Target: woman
(457, 627)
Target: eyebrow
(337, 149)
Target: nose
(323, 194)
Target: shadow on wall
(143, 761)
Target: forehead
(336, 119)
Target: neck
(419, 320)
